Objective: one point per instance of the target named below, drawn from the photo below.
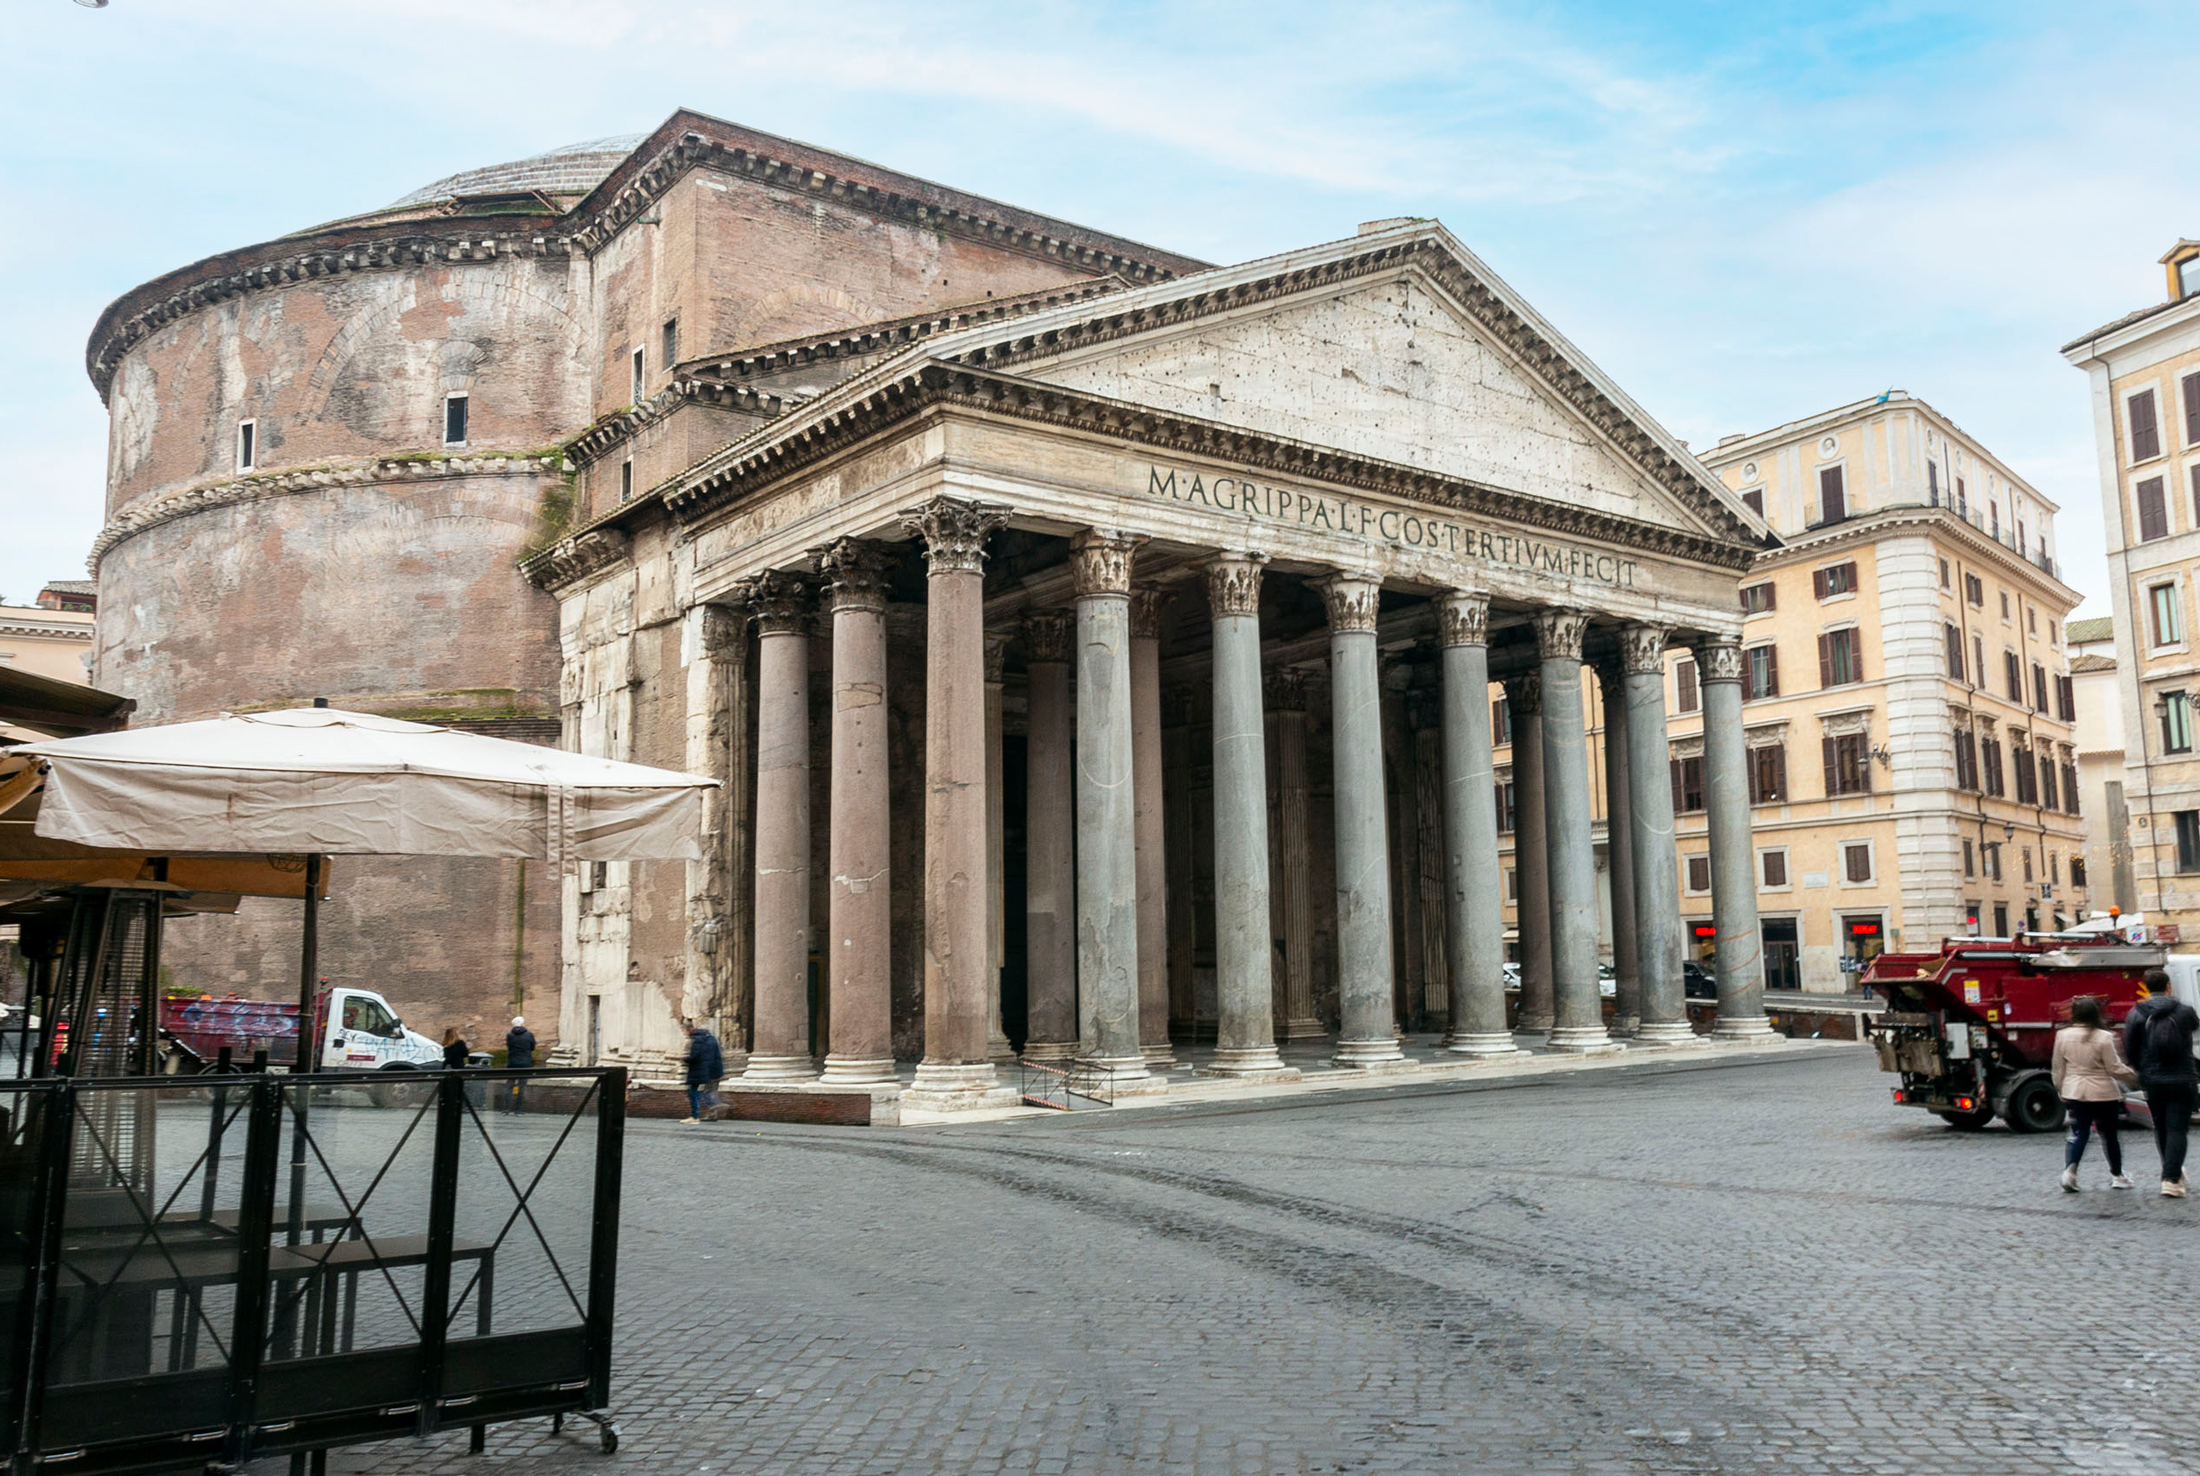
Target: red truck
(1970, 1028)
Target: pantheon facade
(1109, 672)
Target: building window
(1974, 591)
(1688, 695)
(1687, 786)
(1505, 808)
(1971, 914)
(2032, 619)
(2190, 387)
(2026, 853)
(1856, 861)
(2188, 840)
(2188, 276)
(2001, 918)
(2054, 869)
(2050, 792)
(2054, 635)
(626, 481)
(1833, 503)
(454, 420)
(1944, 576)
(2195, 475)
(1953, 639)
(637, 398)
(1501, 723)
(1512, 884)
(1773, 870)
(1978, 660)
(1990, 860)
(2176, 710)
(1993, 526)
(671, 355)
(1963, 499)
(1761, 677)
(1699, 875)
(1989, 762)
(2039, 688)
(2020, 765)
(2070, 789)
(1840, 657)
(1756, 598)
(1848, 764)
(2012, 672)
(1970, 860)
(1754, 500)
(2004, 607)
(1768, 774)
(2077, 871)
(248, 444)
(2066, 698)
(2153, 510)
(2146, 431)
(1836, 579)
(2162, 602)
(1966, 761)
(1932, 489)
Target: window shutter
(1833, 777)
(1772, 671)
(1780, 772)
(1848, 577)
(1854, 638)
(2153, 514)
(1776, 869)
(1825, 661)
(1678, 806)
(1863, 763)
(2191, 385)
(1818, 583)
(2146, 434)
(1832, 504)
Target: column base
(1584, 1040)
(857, 1071)
(1668, 1033)
(780, 1068)
(1303, 1029)
(1161, 1056)
(1535, 1024)
(1258, 1062)
(1494, 1043)
(1383, 1053)
(1000, 1052)
(1127, 1075)
(1050, 1050)
(941, 1087)
(1624, 1027)
(1743, 1030)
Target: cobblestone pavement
(1709, 1266)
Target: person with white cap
(519, 1053)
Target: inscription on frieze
(1261, 504)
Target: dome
(573, 170)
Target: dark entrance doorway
(1783, 954)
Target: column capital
(1612, 677)
(1046, 634)
(1719, 659)
(1524, 694)
(1233, 583)
(1100, 561)
(779, 601)
(722, 628)
(996, 658)
(1642, 648)
(954, 532)
(1463, 619)
(1558, 633)
(1285, 689)
(1352, 599)
(855, 573)
(1147, 598)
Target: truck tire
(1969, 1122)
(2032, 1106)
(398, 1087)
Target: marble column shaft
(1657, 863)
(958, 946)
(1531, 857)
(1578, 1005)
(1368, 1035)
(1740, 963)
(1152, 843)
(1619, 852)
(859, 920)
(1293, 906)
(1050, 865)
(1107, 827)
(1474, 933)
(1245, 1034)
(781, 1050)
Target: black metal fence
(198, 1271)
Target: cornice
(777, 451)
(378, 472)
(1869, 527)
(39, 630)
(607, 433)
(572, 560)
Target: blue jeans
(2084, 1118)
(695, 1100)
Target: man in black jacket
(2158, 1043)
(519, 1054)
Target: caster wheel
(610, 1439)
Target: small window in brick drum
(454, 420)
(672, 342)
(626, 481)
(638, 377)
(248, 445)
(1699, 874)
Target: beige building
(2091, 646)
(2145, 373)
(1909, 711)
(51, 637)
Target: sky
(1744, 212)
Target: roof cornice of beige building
(1869, 527)
(35, 623)
(1719, 457)
(2134, 328)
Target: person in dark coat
(706, 1064)
(519, 1054)
(454, 1050)
(2158, 1043)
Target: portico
(1224, 537)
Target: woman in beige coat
(2090, 1077)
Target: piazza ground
(1738, 1263)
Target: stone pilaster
(1657, 864)
(1368, 1037)
(781, 603)
(1473, 886)
(1147, 823)
(1578, 1023)
(1050, 872)
(1531, 857)
(1740, 963)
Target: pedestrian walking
(519, 1054)
(706, 1064)
(2090, 1077)
(2158, 1043)
(454, 1050)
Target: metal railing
(206, 1270)
(1066, 1086)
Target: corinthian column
(996, 845)
(1152, 854)
(1050, 866)
(1474, 932)
(1107, 827)
(859, 926)
(1578, 1023)
(1619, 851)
(781, 603)
(1531, 855)
(1293, 906)
(955, 1073)
(1657, 865)
(1368, 1036)
(1740, 962)
(1245, 1037)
